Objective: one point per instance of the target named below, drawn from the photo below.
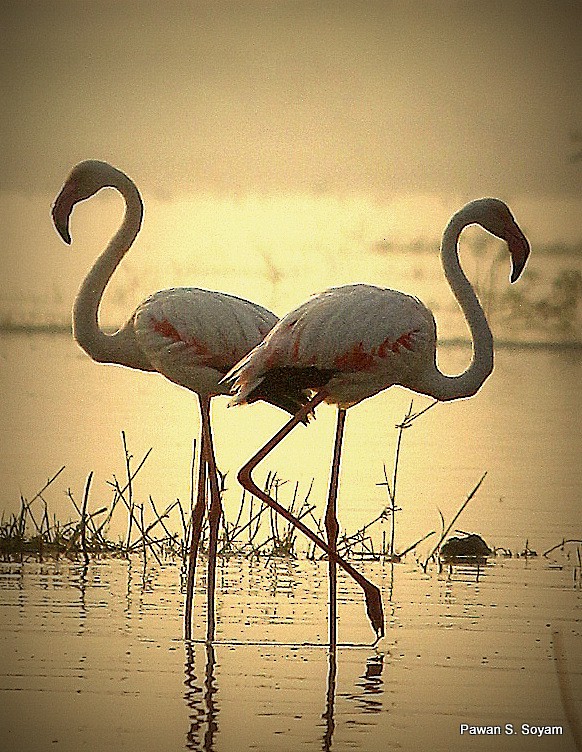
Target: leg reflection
(328, 716)
(200, 699)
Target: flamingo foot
(375, 610)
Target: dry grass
(255, 531)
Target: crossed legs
(371, 592)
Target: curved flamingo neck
(119, 347)
(443, 387)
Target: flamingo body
(193, 336)
(349, 343)
(190, 335)
(356, 339)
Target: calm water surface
(92, 658)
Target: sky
(267, 126)
(345, 97)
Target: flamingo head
(495, 217)
(84, 181)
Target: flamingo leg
(214, 514)
(372, 593)
(195, 533)
(332, 525)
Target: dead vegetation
(34, 533)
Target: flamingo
(349, 343)
(189, 335)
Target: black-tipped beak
(61, 213)
(519, 250)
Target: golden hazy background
(277, 143)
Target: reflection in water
(468, 568)
(328, 716)
(203, 709)
(368, 699)
(372, 681)
(200, 700)
(371, 684)
(388, 587)
(79, 646)
(79, 581)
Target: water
(92, 658)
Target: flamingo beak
(519, 250)
(61, 212)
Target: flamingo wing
(367, 336)
(193, 336)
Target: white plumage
(190, 335)
(357, 340)
(193, 336)
(365, 338)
